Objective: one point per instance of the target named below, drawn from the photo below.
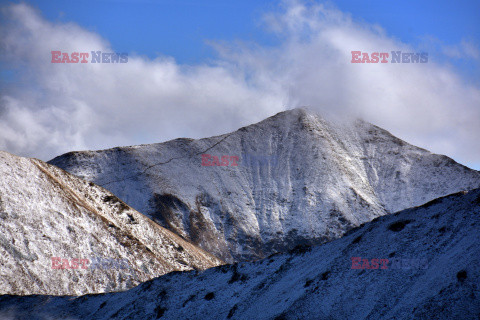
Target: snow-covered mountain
(299, 179)
(62, 235)
(427, 267)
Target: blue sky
(181, 29)
(238, 60)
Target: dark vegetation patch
(163, 293)
(232, 311)
(209, 296)
(115, 201)
(129, 241)
(436, 216)
(281, 317)
(199, 228)
(338, 217)
(272, 256)
(431, 203)
(398, 226)
(301, 249)
(111, 199)
(461, 275)
(357, 239)
(181, 261)
(132, 219)
(147, 285)
(237, 276)
(188, 300)
(160, 311)
(225, 268)
(165, 207)
(260, 286)
(308, 282)
(325, 275)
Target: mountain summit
(294, 178)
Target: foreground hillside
(291, 179)
(61, 235)
(432, 272)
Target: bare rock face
(65, 236)
(298, 179)
(429, 269)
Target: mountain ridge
(300, 179)
(51, 221)
(433, 254)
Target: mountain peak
(298, 178)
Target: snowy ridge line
(313, 282)
(162, 163)
(46, 212)
(330, 177)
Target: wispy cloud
(465, 49)
(61, 107)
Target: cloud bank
(47, 109)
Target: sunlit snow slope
(46, 212)
(299, 179)
(314, 283)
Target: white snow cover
(313, 283)
(299, 179)
(46, 212)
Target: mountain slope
(438, 246)
(48, 213)
(299, 179)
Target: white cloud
(465, 49)
(62, 107)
